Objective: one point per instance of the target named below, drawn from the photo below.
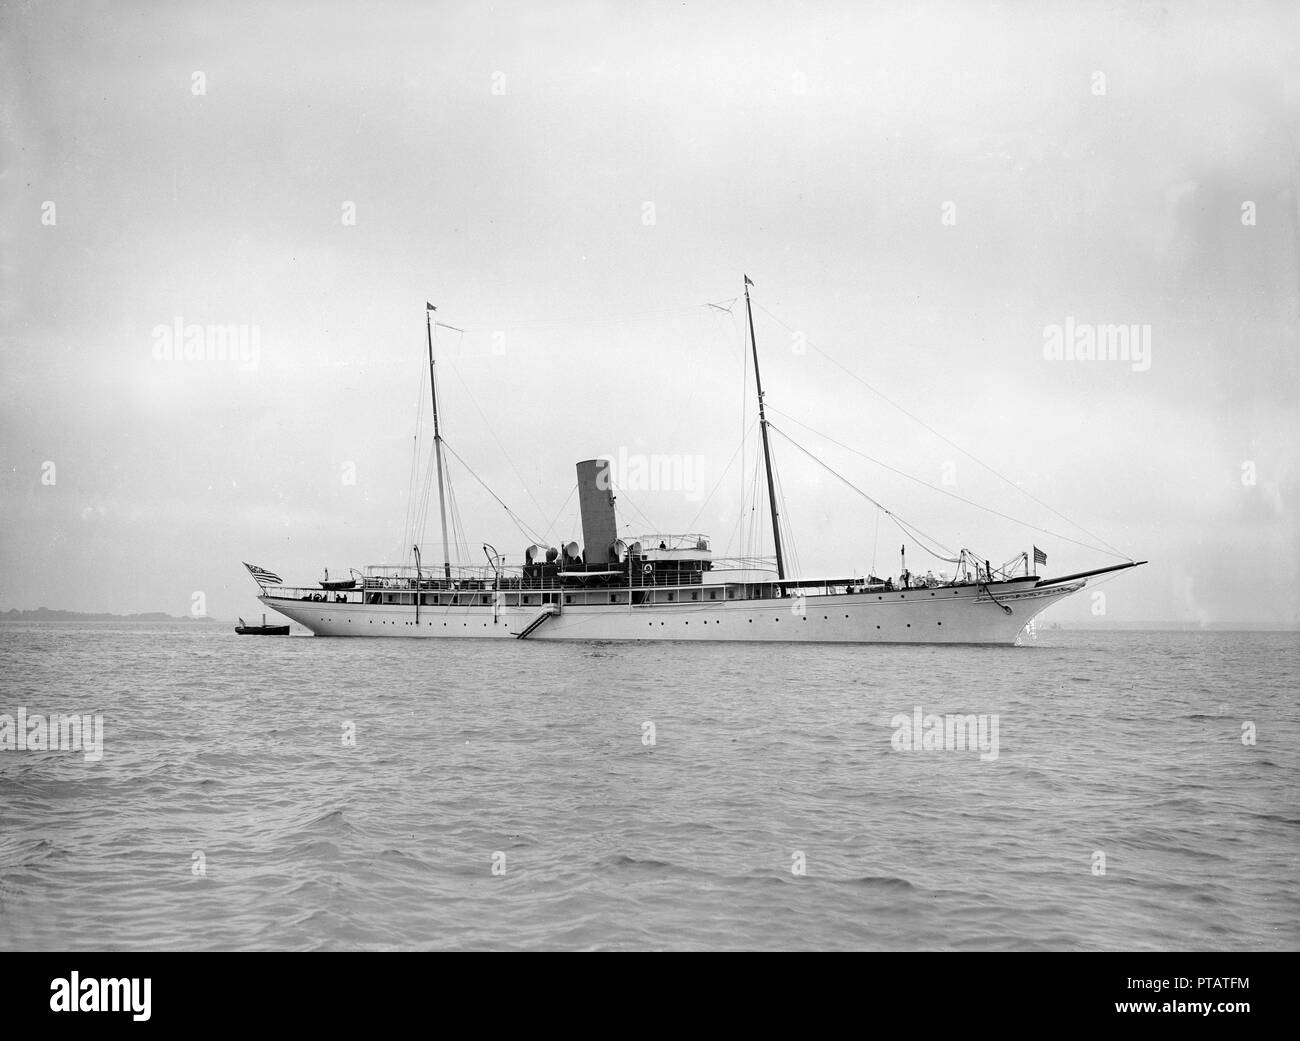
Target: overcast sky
(921, 194)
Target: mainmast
(767, 453)
(437, 440)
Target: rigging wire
(875, 543)
(718, 483)
(418, 507)
(456, 537)
(500, 446)
(457, 529)
(726, 549)
(412, 485)
(519, 522)
(789, 544)
(422, 509)
(598, 321)
(754, 529)
(545, 540)
(948, 441)
(932, 487)
(621, 493)
(910, 530)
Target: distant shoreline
(45, 614)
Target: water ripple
(355, 794)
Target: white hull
(962, 614)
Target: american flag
(263, 577)
(1039, 556)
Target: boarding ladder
(547, 612)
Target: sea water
(1143, 793)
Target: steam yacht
(666, 586)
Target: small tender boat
(337, 583)
(243, 629)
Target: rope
(933, 487)
(792, 554)
(500, 446)
(412, 484)
(622, 494)
(518, 521)
(989, 593)
(909, 530)
(545, 540)
(1108, 548)
(718, 483)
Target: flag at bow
(748, 281)
(263, 577)
(1039, 556)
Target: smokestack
(596, 503)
